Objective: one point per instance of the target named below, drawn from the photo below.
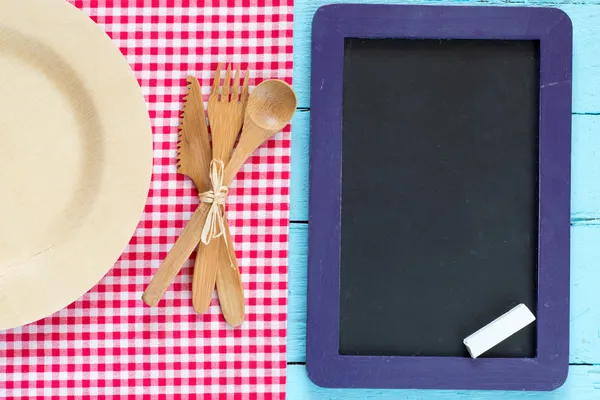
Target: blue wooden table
(583, 382)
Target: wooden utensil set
(230, 109)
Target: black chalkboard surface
(439, 196)
(439, 193)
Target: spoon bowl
(272, 105)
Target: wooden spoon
(270, 108)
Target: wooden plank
(585, 275)
(300, 155)
(585, 313)
(583, 383)
(586, 46)
(297, 275)
(585, 190)
(586, 168)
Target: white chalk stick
(498, 330)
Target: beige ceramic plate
(75, 157)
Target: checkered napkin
(108, 343)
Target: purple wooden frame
(331, 25)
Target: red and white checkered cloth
(108, 343)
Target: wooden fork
(218, 262)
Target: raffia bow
(215, 223)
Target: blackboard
(439, 195)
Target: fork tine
(236, 86)
(216, 81)
(226, 85)
(244, 98)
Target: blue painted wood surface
(584, 374)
